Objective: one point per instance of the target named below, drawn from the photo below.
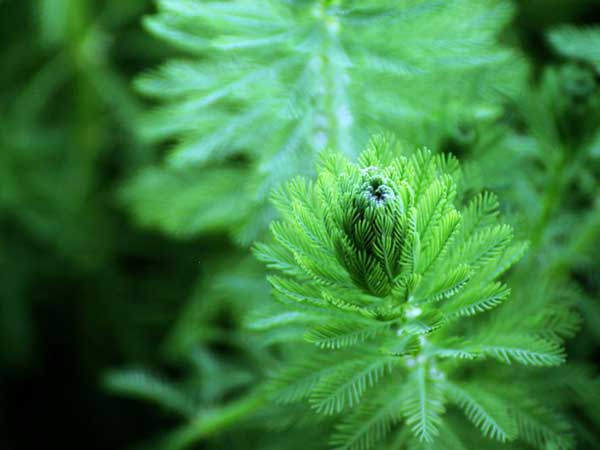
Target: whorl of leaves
(392, 286)
(383, 237)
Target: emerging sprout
(382, 237)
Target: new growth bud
(372, 224)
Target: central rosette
(372, 224)
(376, 188)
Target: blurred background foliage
(127, 207)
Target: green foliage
(271, 84)
(147, 386)
(419, 305)
(80, 289)
(486, 410)
(376, 256)
(555, 191)
(580, 44)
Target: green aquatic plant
(382, 290)
(393, 287)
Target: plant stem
(212, 422)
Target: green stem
(552, 197)
(564, 171)
(217, 420)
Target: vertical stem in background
(86, 130)
(562, 174)
(552, 197)
(212, 422)
(336, 116)
(87, 133)
(338, 108)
